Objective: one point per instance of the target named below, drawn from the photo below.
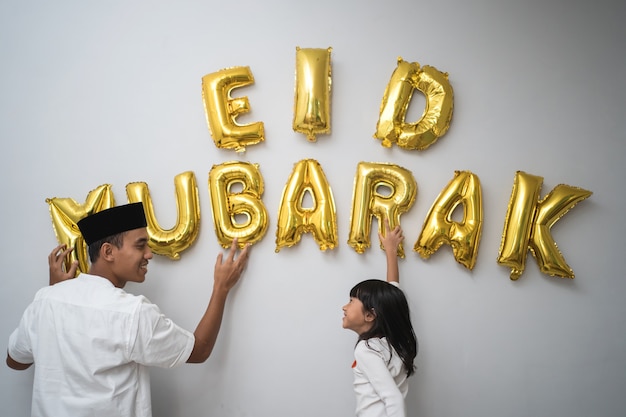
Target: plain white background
(96, 93)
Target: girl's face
(355, 317)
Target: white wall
(110, 93)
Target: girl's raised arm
(390, 241)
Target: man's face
(131, 260)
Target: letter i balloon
(312, 93)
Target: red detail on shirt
(354, 364)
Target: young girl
(379, 313)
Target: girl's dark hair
(392, 318)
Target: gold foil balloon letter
(222, 110)
(229, 205)
(368, 200)
(528, 223)
(435, 121)
(295, 219)
(440, 228)
(66, 212)
(312, 94)
(171, 242)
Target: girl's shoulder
(375, 347)
(378, 344)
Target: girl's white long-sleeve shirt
(380, 380)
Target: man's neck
(105, 273)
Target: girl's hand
(392, 238)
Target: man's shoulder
(91, 291)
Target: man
(92, 342)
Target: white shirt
(380, 384)
(91, 344)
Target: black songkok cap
(112, 221)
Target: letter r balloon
(368, 201)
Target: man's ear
(106, 251)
